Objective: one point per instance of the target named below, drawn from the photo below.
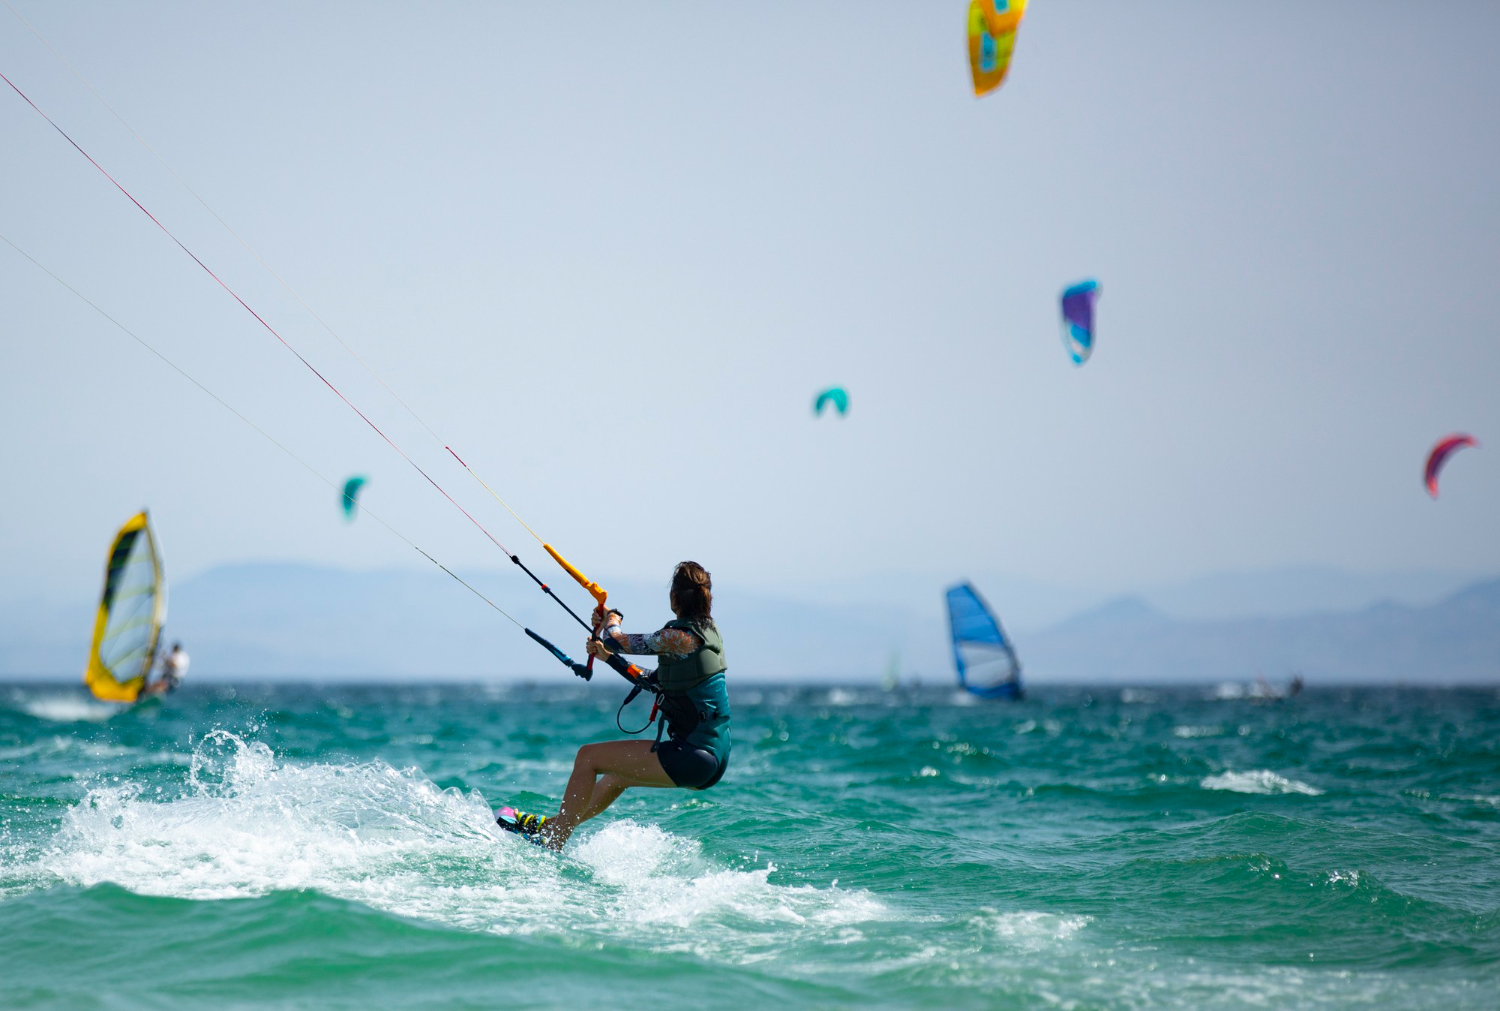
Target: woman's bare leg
(623, 763)
(606, 792)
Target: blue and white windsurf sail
(987, 663)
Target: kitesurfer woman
(694, 708)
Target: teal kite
(351, 493)
(834, 395)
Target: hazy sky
(610, 252)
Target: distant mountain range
(1455, 641)
(1031, 605)
(300, 621)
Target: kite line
(599, 594)
(261, 431)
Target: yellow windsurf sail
(131, 612)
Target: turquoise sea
(331, 847)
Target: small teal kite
(834, 395)
(351, 493)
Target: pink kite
(1439, 456)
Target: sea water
(332, 847)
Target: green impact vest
(694, 699)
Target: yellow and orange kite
(992, 38)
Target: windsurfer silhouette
(174, 668)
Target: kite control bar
(599, 593)
(639, 679)
(566, 660)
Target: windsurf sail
(987, 663)
(132, 610)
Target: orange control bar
(600, 594)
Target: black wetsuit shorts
(689, 766)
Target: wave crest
(1260, 781)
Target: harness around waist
(699, 714)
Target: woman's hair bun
(693, 592)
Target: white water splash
(1030, 930)
(68, 709)
(1259, 781)
(250, 824)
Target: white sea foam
(1257, 781)
(661, 879)
(68, 709)
(249, 824)
(987, 946)
(1191, 732)
(1489, 800)
(1030, 929)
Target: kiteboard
(508, 819)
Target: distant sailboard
(986, 661)
(132, 610)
